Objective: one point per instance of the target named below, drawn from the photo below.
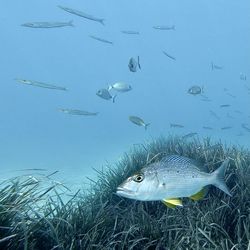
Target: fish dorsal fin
(173, 202)
(177, 159)
(182, 162)
(200, 195)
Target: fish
(192, 134)
(229, 94)
(243, 77)
(214, 66)
(172, 178)
(120, 87)
(40, 84)
(195, 90)
(78, 112)
(208, 128)
(47, 25)
(164, 27)
(174, 125)
(82, 14)
(130, 32)
(238, 111)
(243, 125)
(225, 128)
(225, 105)
(100, 39)
(138, 121)
(230, 116)
(214, 114)
(169, 56)
(132, 65)
(105, 94)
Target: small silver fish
(245, 127)
(195, 90)
(243, 77)
(225, 105)
(214, 66)
(189, 135)
(40, 84)
(174, 125)
(138, 121)
(208, 128)
(78, 112)
(130, 32)
(132, 65)
(120, 87)
(100, 39)
(82, 14)
(172, 178)
(225, 128)
(169, 56)
(214, 114)
(47, 25)
(164, 27)
(105, 94)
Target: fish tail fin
(71, 23)
(218, 176)
(102, 21)
(113, 98)
(146, 126)
(212, 65)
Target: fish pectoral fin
(172, 203)
(200, 195)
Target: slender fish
(174, 125)
(40, 84)
(245, 127)
(169, 56)
(189, 135)
(100, 39)
(82, 14)
(78, 112)
(164, 27)
(130, 32)
(47, 25)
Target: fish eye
(138, 178)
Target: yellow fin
(172, 203)
(200, 195)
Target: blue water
(34, 134)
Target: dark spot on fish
(177, 171)
(163, 184)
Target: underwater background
(36, 135)
(68, 142)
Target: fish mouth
(121, 190)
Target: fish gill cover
(35, 216)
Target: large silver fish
(172, 178)
(81, 14)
